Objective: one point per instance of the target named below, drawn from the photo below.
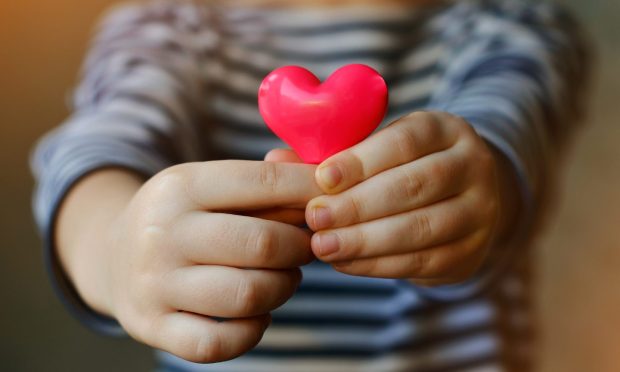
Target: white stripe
(425, 55)
(352, 41)
(248, 83)
(317, 17)
(403, 93)
(236, 80)
(242, 111)
(322, 68)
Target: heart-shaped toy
(320, 119)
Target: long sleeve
(137, 106)
(517, 74)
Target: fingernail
(328, 244)
(330, 175)
(321, 217)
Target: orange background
(41, 47)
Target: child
(411, 264)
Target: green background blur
(578, 256)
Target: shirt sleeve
(517, 73)
(137, 107)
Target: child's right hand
(176, 256)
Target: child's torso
(248, 44)
(337, 322)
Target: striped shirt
(170, 81)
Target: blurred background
(578, 257)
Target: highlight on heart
(318, 119)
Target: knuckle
(247, 297)
(355, 209)
(453, 223)
(269, 175)
(458, 122)
(171, 178)
(364, 267)
(368, 266)
(152, 237)
(431, 125)
(206, 348)
(438, 170)
(150, 244)
(203, 347)
(461, 127)
(422, 116)
(352, 245)
(422, 228)
(405, 141)
(421, 264)
(265, 245)
(168, 184)
(412, 187)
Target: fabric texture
(167, 82)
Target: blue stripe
(418, 345)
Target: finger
(228, 292)
(408, 139)
(283, 156)
(291, 216)
(227, 185)
(202, 340)
(441, 263)
(284, 215)
(419, 229)
(240, 241)
(413, 185)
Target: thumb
(282, 156)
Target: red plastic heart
(320, 119)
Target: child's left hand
(419, 200)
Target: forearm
(83, 227)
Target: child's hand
(178, 257)
(417, 200)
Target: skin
(422, 199)
(162, 256)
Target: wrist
(509, 195)
(85, 233)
